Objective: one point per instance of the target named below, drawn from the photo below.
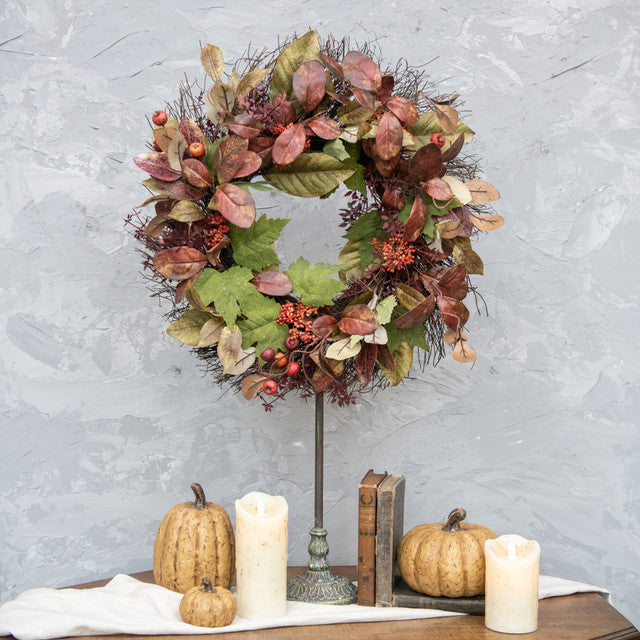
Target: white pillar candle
(261, 555)
(511, 584)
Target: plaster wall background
(105, 421)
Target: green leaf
(385, 309)
(187, 327)
(226, 290)
(313, 283)
(367, 227)
(403, 359)
(251, 246)
(414, 337)
(260, 327)
(303, 49)
(336, 149)
(258, 186)
(404, 214)
(309, 175)
(427, 124)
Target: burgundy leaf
(156, 163)
(251, 163)
(195, 173)
(333, 65)
(403, 109)
(289, 144)
(179, 263)
(246, 126)
(361, 71)
(386, 88)
(454, 313)
(283, 113)
(191, 132)
(309, 84)
(437, 188)
(365, 362)
(364, 98)
(415, 223)
(181, 190)
(454, 149)
(324, 127)
(453, 282)
(417, 315)
(458, 223)
(426, 163)
(229, 157)
(323, 325)
(273, 283)
(358, 319)
(389, 136)
(387, 168)
(385, 358)
(236, 205)
(393, 198)
(262, 146)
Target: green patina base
(318, 584)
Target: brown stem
(455, 517)
(198, 491)
(207, 587)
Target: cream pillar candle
(511, 584)
(261, 555)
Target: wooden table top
(582, 616)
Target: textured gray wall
(106, 421)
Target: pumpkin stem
(207, 587)
(455, 517)
(198, 491)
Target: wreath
(303, 124)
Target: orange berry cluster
(394, 252)
(296, 315)
(216, 233)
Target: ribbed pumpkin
(208, 606)
(445, 560)
(195, 540)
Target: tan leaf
(175, 152)
(389, 136)
(342, 349)
(219, 101)
(251, 80)
(210, 332)
(212, 61)
(460, 191)
(482, 192)
(464, 254)
(452, 336)
(234, 358)
(447, 117)
(487, 223)
(251, 385)
(186, 211)
(162, 136)
(462, 352)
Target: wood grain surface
(582, 616)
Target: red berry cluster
(296, 316)
(216, 233)
(394, 252)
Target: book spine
(367, 503)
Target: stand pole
(318, 584)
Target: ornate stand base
(317, 584)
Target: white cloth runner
(126, 605)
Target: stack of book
(380, 530)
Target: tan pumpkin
(195, 540)
(445, 560)
(208, 606)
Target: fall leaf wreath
(304, 119)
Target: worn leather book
(367, 506)
(389, 527)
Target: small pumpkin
(208, 606)
(445, 560)
(194, 540)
